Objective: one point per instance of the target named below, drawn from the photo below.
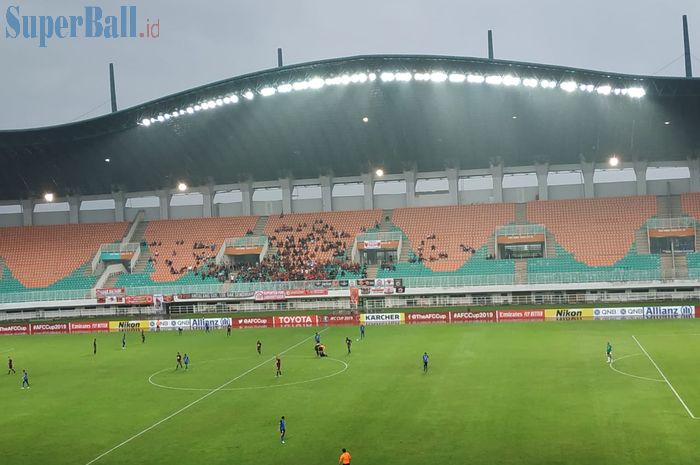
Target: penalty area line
(665, 379)
(196, 401)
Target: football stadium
(419, 259)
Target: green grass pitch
(531, 393)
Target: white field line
(7, 350)
(630, 374)
(196, 401)
(665, 378)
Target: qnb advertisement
(647, 313)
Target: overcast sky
(205, 41)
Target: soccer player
(344, 458)
(317, 338)
(228, 330)
(94, 346)
(123, 341)
(259, 347)
(278, 365)
(179, 361)
(10, 366)
(25, 379)
(179, 331)
(187, 361)
(362, 331)
(348, 342)
(283, 427)
(206, 326)
(425, 362)
(608, 352)
(143, 337)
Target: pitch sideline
(196, 401)
(665, 379)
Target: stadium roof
(346, 116)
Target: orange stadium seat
(190, 231)
(38, 256)
(598, 232)
(453, 226)
(690, 203)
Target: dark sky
(205, 41)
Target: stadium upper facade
(348, 116)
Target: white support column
(326, 193)
(368, 184)
(286, 186)
(119, 207)
(694, 168)
(453, 185)
(497, 174)
(207, 201)
(247, 197)
(164, 202)
(74, 210)
(27, 212)
(640, 171)
(588, 168)
(542, 171)
(410, 177)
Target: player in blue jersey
(186, 359)
(283, 429)
(425, 362)
(362, 331)
(25, 379)
(317, 338)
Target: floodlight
(267, 91)
(475, 79)
(614, 161)
(107, 160)
(372, 76)
(530, 82)
(403, 77)
(197, 107)
(365, 119)
(300, 85)
(190, 110)
(604, 90)
(511, 80)
(457, 78)
(387, 77)
(316, 83)
(182, 187)
(568, 86)
(494, 80)
(438, 76)
(284, 88)
(379, 172)
(146, 122)
(249, 95)
(636, 92)
(219, 102)
(48, 196)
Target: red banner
(110, 292)
(253, 322)
(89, 327)
(518, 315)
(427, 317)
(305, 292)
(697, 311)
(9, 330)
(54, 328)
(269, 295)
(294, 321)
(459, 317)
(339, 319)
(138, 300)
(354, 295)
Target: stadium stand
(179, 247)
(690, 203)
(437, 234)
(597, 232)
(53, 257)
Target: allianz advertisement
(649, 313)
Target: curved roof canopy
(344, 116)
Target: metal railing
(671, 223)
(520, 230)
(504, 279)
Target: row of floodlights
(435, 76)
